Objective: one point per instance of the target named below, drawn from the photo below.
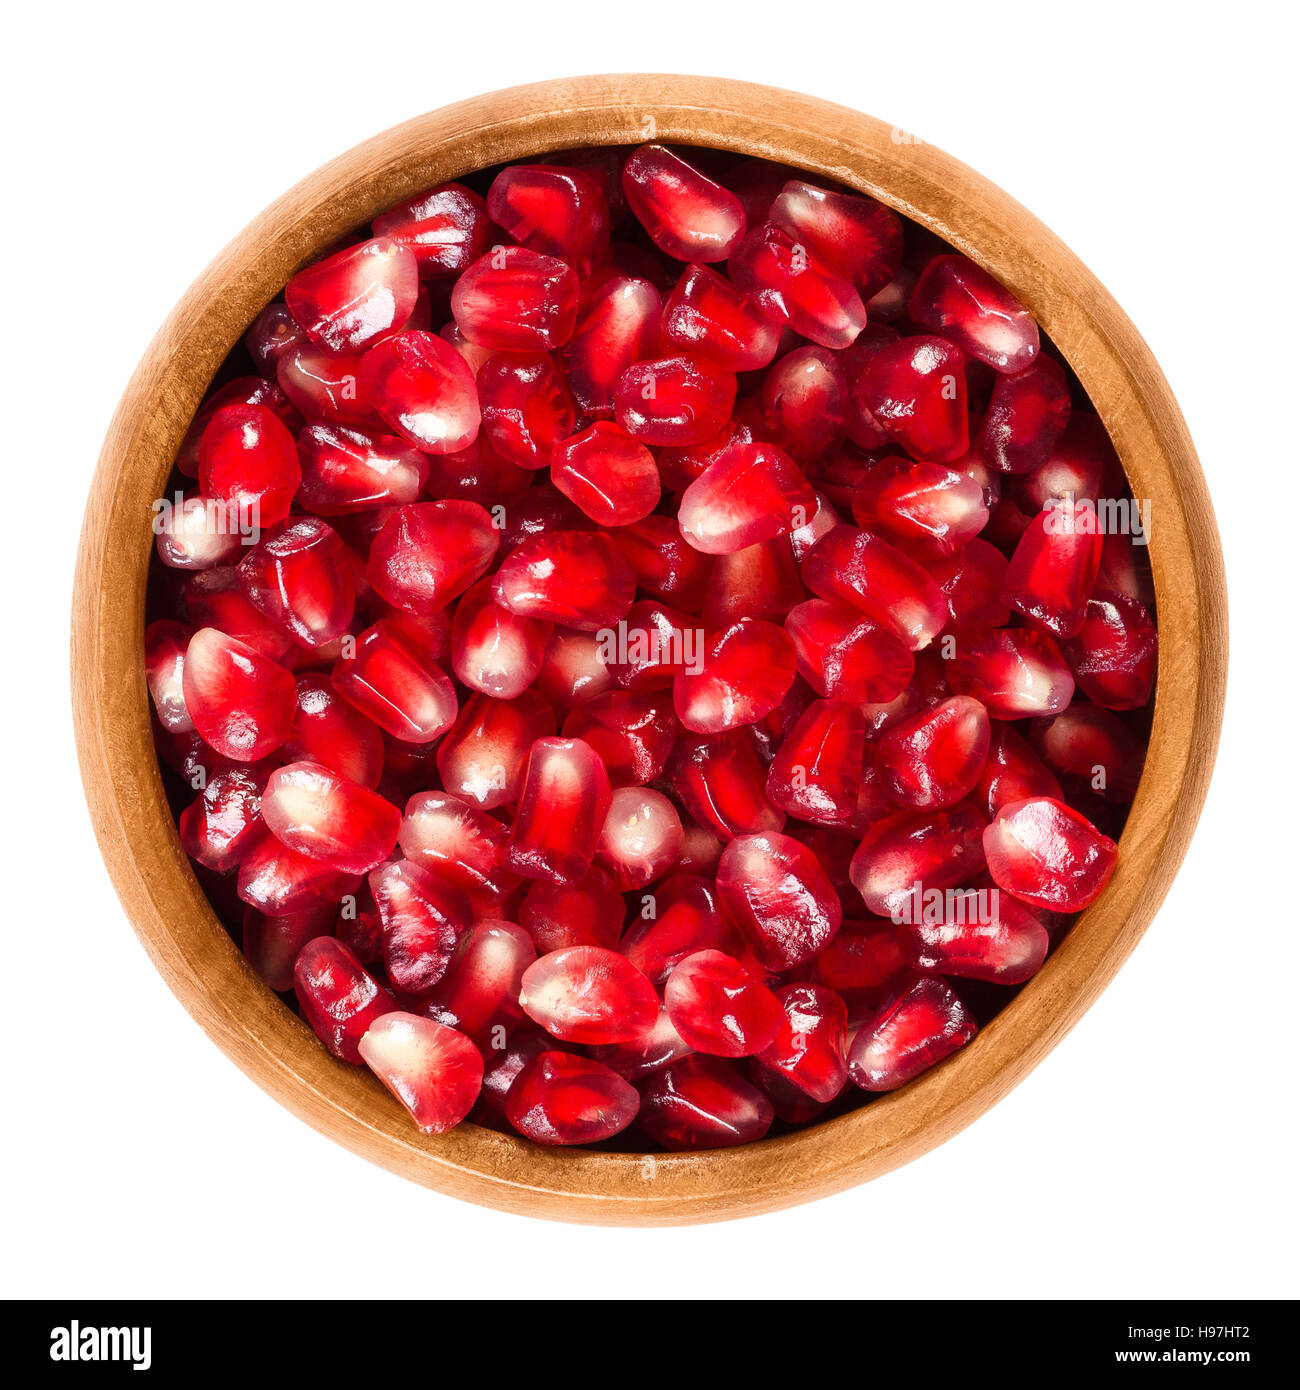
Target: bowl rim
(138, 839)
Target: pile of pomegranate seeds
(648, 645)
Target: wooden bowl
(172, 917)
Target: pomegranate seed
(433, 1070)
(632, 733)
(478, 474)
(1123, 572)
(516, 300)
(562, 807)
(708, 317)
(972, 581)
(351, 298)
(493, 650)
(617, 324)
(805, 401)
(1113, 654)
(575, 578)
(921, 503)
(908, 1035)
(1051, 575)
(430, 552)
(722, 784)
(752, 493)
(687, 215)
(560, 1099)
(348, 470)
(325, 387)
(244, 390)
(862, 960)
(823, 519)
(811, 1045)
(855, 237)
(278, 882)
(642, 837)
(271, 944)
(666, 567)
(201, 533)
(446, 228)
(527, 409)
(392, 683)
(338, 998)
(1013, 672)
(632, 1061)
(421, 919)
(556, 211)
(792, 287)
(424, 389)
(845, 656)
(1013, 772)
(744, 673)
(677, 919)
(936, 757)
(503, 1067)
(480, 993)
(673, 400)
(1092, 748)
(915, 389)
(274, 332)
(760, 581)
(956, 298)
(816, 771)
(779, 896)
(324, 815)
(165, 644)
(718, 1007)
(460, 844)
(587, 994)
(328, 730)
(242, 704)
(573, 671)
(1006, 945)
(868, 574)
(654, 643)
(702, 1102)
(1025, 417)
(1048, 855)
(588, 912)
(481, 758)
(299, 575)
(249, 463)
(222, 825)
(612, 478)
(936, 849)
(679, 468)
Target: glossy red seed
(1051, 575)
(587, 994)
(278, 881)
(338, 998)
(915, 389)
(718, 1007)
(722, 783)
(562, 807)
(576, 578)
(614, 479)
(844, 655)
(447, 228)
(165, 644)
(242, 704)
(811, 1046)
(1026, 415)
(687, 215)
(421, 919)
(1048, 855)
(460, 844)
(427, 554)
(632, 732)
(1012, 672)
(617, 324)
(516, 300)
(300, 576)
(652, 644)
(793, 287)
(934, 758)
(679, 467)
(326, 816)
(980, 934)
(744, 672)
(222, 824)
(274, 332)
(587, 912)
(1013, 772)
(1092, 748)
(752, 493)
(673, 400)
(972, 581)
(863, 960)
(666, 566)
(824, 518)
(956, 298)
(675, 919)
(573, 670)
(325, 386)
(328, 730)
(908, 1035)
(854, 236)
(778, 894)
(248, 461)
(433, 1070)
(633, 1061)
(480, 993)
(702, 1102)
(817, 770)
(271, 944)
(482, 756)
(1125, 569)
(244, 390)
(924, 504)
(349, 470)
(526, 407)
(554, 210)
(479, 474)
(936, 849)
(641, 838)
(395, 685)
(760, 581)
(867, 573)
(1113, 654)
(560, 1099)
(424, 389)
(348, 300)
(709, 318)
(201, 533)
(494, 650)
(805, 401)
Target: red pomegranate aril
(421, 920)
(1048, 855)
(924, 504)
(743, 674)
(562, 807)
(613, 479)
(300, 576)
(242, 703)
(702, 1102)
(325, 386)
(578, 579)
(503, 1068)
(861, 570)
(760, 581)
(423, 388)
(561, 1099)
(479, 474)
(652, 645)
(165, 644)
(516, 300)
(446, 228)
(222, 824)
(973, 583)
(588, 994)
(707, 316)
(201, 533)
(957, 299)
(633, 1061)
(679, 467)
(936, 757)
(480, 993)
(718, 1007)
(351, 298)
(667, 568)
(752, 493)
(460, 844)
(1025, 417)
(481, 758)
(393, 684)
(673, 400)
(244, 390)
(526, 407)
(271, 944)
(824, 518)
(433, 1070)
(349, 470)
(980, 935)
(844, 655)
(778, 895)
(1013, 772)
(493, 650)
(1051, 575)
(573, 670)
(915, 389)
(1013, 672)
(679, 917)
(687, 215)
(794, 288)
(326, 816)
(338, 998)
(1113, 654)
(587, 912)
(805, 400)
(427, 554)
(641, 838)
(811, 1045)
(817, 769)
(721, 782)
(274, 332)
(854, 236)
(248, 462)
(632, 732)
(935, 849)
(328, 730)
(553, 210)
(278, 881)
(617, 324)
(863, 959)
(1091, 747)
(908, 1035)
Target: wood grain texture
(136, 834)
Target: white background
(1154, 1152)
